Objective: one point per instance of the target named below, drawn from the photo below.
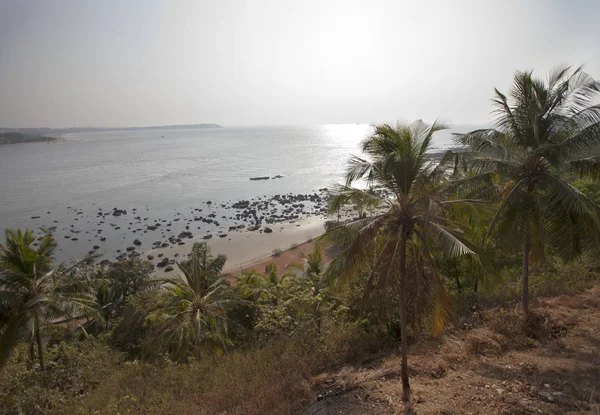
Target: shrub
(131, 328)
(74, 369)
(276, 252)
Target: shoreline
(244, 249)
(249, 250)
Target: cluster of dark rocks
(211, 219)
(266, 177)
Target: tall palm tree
(314, 270)
(32, 291)
(543, 130)
(106, 298)
(419, 217)
(193, 316)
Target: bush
(74, 369)
(271, 378)
(276, 253)
(131, 328)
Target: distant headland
(36, 135)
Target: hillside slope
(496, 364)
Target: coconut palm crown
(194, 318)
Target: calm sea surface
(162, 173)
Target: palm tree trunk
(458, 286)
(32, 353)
(403, 330)
(40, 346)
(525, 277)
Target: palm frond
(587, 167)
(10, 336)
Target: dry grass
(272, 379)
(548, 364)
(485, 341)
(277, 378)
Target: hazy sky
(234, 62)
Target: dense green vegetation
(514, 217)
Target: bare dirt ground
(492, 363)
(289, 258)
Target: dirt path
(489, 368)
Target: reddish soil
(288, 258)
(497, 365)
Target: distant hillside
(56, 131)
(16, 138)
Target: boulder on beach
(137, 242)
(267, 230)
(119, 212)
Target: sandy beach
(245, 249)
